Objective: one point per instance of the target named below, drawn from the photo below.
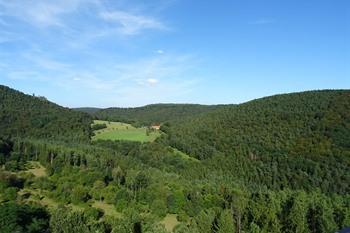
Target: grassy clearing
(108, 209)
(36, 168)
(37, 196)
(170, 222)
(183, 155)
(123, 131)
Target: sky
(126, 53)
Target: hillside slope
(153, 114)
(23, 115)
(299, 123)
(299, 140)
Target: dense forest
(150, 114)
(23, 115)
(294, 140)
(277, 164)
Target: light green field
(183, 155)
(108, 209)
(36, 168)
(170, 222)
(123, 131)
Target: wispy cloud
(41, 60)
(26, 75)
(3, 23)
(133, 83)
(43, 14)
(6, 36)
(39, 13)
(81, 47)
(131, 24)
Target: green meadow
(124, 131)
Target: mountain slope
(153, 114)
(29, 116)
(299, 141)
(291, 123)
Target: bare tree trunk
(51, 158)
(239, 223)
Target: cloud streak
(82, 48)
(44, 14)
(133, 83)
(131, 24)
(39, 13)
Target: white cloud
(98, 21)
(48, 51)
(131, 24)
(152, 81)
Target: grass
(184, 155)
(123, 131)
(37, 196)
(36, 168)
(170, 221)
(108, 209)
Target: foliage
(23, 218)
(29, 116)
(296, 140)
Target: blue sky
(130, 53)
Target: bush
(10, 194)
(23, 218)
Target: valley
(276, 164)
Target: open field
(123, 131)
(170, 221)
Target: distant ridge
(30, 116)
(150, 114)
(88, 110)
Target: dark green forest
(30, 116)
(150, 114)
(276, 164)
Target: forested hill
(299, 140)
(308, 123)
(153, 114)
(23, 115)
(88, 110)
